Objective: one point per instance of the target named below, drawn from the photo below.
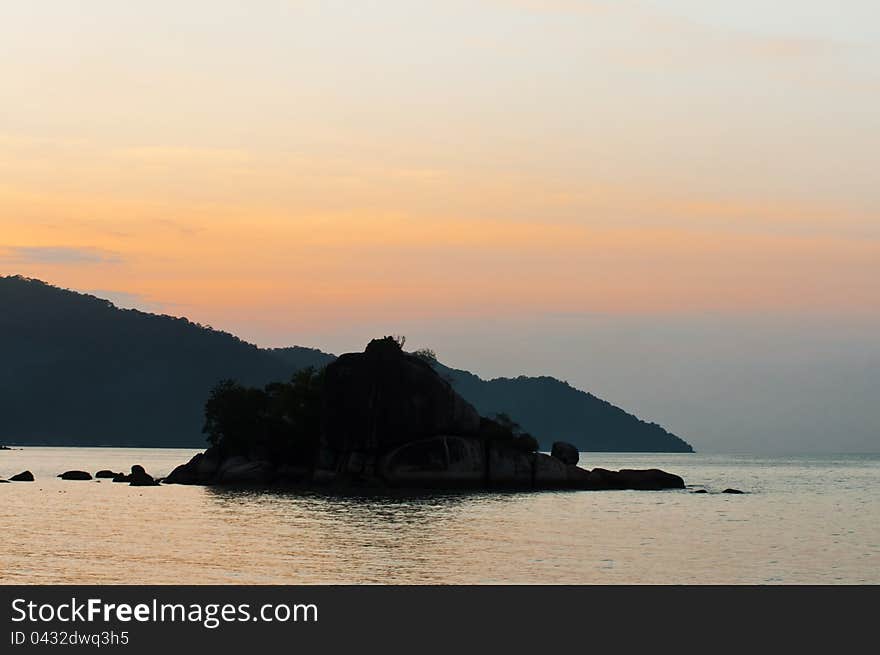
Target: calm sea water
(805, 520)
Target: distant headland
(80, 371)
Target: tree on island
(281, 421)
(426, 355)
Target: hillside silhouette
(545, 406)
(78, 370)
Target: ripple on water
(806, 520)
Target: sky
(672, 204)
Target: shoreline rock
(75, 475)
(389, 420)
(24, 476)
(442, 462)
(565, 451)
(140, 478)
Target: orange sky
(303, 165)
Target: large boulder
(201, 469)
(564, 451)
(184, 474)
(75, 475)
(140, 478)
(549, 471)
(650, 479)
(240, 470)
(105, 474)
(24, 476)
(383, 398)
(442, 461)
(577, 477)
(207, 464)
(510, 466)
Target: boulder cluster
(389, 419)
(137, 478)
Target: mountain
(554, 410)
(78, 370)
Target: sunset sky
(672, 203)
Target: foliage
(426, 354)
(281, 421)
(504, 428)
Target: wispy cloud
(674, 33)
(59, 255)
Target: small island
(378, 419)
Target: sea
(802, 520)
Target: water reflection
(803, 522)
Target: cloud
(667, 35)
(59, 255)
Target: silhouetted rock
(75, 475)
(122, 477)
(384, 397)
(549, 471)
(242, 471)
(564, 451)
(140, 478)
(650, 479)
(383, 418)
(732, 491)
(185, 473)
(700, 491)
(5, 448)
(200, 469)
(106, 474)
(577, 477)
(435, 462)
(509, 467)
(24, 476)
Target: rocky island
(381, 418)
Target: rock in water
(24, 476)
(384, 397)
(649, 479)
(201, 469)
(732, 491)
(444, 461)
(140, 478)
(75, 475)
(549, 472)
(242, 471)
(566, 452)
